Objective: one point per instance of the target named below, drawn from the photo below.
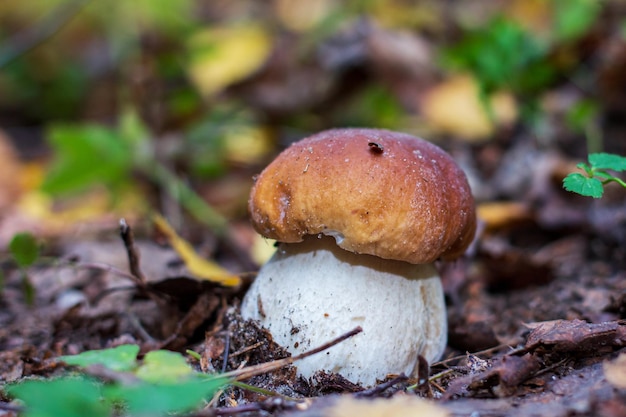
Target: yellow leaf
(199, 267)
(302, 16)
(536, 16)
(247, 144)
(453, 107)
(92, 207)
(399, 405)
(224, 55)
(615, 371)
(500, 214)
(262, 249)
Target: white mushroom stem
(310, 292)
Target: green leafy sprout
(24, 249)
(503, 54)
(596, 174)
(87, 155)
(160, 384)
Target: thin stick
(246, 349)
(263, 368)
(226, 349)
(29, 39)
(106, 268)
(480, 352)
(131, 250)
(381, 387)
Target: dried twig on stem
(262, 368)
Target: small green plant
(160, 384)
(25, 251)
(596, 175)
(503, 54)
(89, 155)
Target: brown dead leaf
(575, 336)
(203, 308)
(509, 267)
(506, 375)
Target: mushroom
(361, 215)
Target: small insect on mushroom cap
(378, 192)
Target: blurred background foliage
(118, 106)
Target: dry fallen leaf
(398, 406)
(199, 267)
(575, 336)
(301, 16)
(533, 15)
(615, 371)
(221, 56)
(500, 214)
(247, 144)
(262, 249)
(454, 108)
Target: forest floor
(537, 315)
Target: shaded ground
(536, 310)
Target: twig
(106, 268)
(131, 250)
(381, 387)
(136, 323)
(246, 349)
(262, 391)
(226, 349)
(262, 368)
(481, 352)
(27, 40)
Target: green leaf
(24, 248)
(63, 397)
(581, 114)
(121, 358)
(607, 161)
(86, 155)
(574, 17)
(580, 184)
(152, 399)
(501, 54)
(137, 135)
(163, 366)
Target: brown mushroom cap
(377, 192)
